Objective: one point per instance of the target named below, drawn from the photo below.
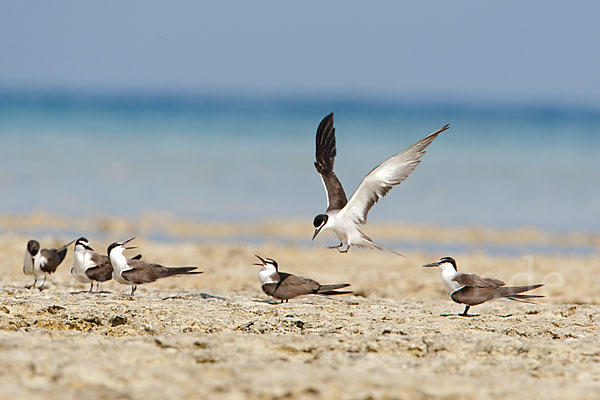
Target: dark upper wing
(295, 283)
(99, 259)
(102, 272)
(386, 175)
(142, 272)
(325, 157)
(473, 280)
(53, 259)
(290, 286)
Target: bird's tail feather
(334, 292)
(513, 292)
(327, 288)
(368, 242)
(522, 298)
(180, 271)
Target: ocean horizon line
(185, 101)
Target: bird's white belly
(450, 284)
(342, 228)
(38, 261)
(119, 266)
(80, 262)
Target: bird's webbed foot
(342, 247)
(466, 314)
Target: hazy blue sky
(510, 50)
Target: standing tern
(89, 266)
(136, 272)
(42, 262)
(472, 290)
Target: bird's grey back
(290, 286)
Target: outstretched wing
(385, 176)
(325, 157)
(472, 280)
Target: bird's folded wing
(100, 260)
(324, 159)
(100, 273)
(477, 281)
(385, 176)
(297, 283)
(473, 295)
(142, 272)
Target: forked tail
(330, 290)
(333, 292)
(512, 293)
(367, 242)
(332, 287)
(181, 271)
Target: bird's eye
(319, 220)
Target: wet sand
(216, 336)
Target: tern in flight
(344, 216)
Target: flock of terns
(343, 217)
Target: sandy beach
(207, 133)
(216, 336)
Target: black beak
(262, 261)
(131, 247)
(435, 264)
(317, 232)
(127, 241)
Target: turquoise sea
(209, 158)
